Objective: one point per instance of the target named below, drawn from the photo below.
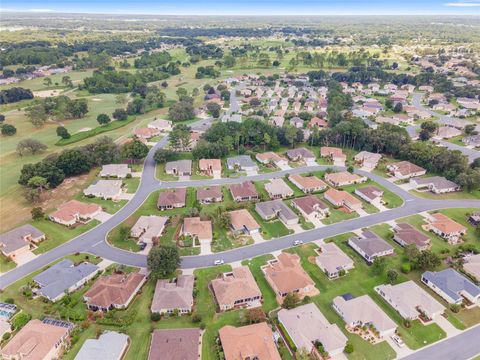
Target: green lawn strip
(196, 172)
(262, 193)
(296, 191)
(269, 299)
(337, 215)
(6, 264)
(162, 175)
(131, 184)
(108, 206)
(270, 229)
(95, 131)
(458, 195)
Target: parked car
(218, 262)
(398, 340)
(297, 242)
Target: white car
(398, 340)
(297, 242)
(218, 262)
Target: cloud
(41, 10)
(464, 3)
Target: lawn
(131, 184)
(6, 264)
(458, 195)
(271, 229)
(337, 216)
(108, 206)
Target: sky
(248, 7)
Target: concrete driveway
(103, 216)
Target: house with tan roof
(198, 229)
(278, 189)
(285, 275)
(236, 288)
(210, 195)
(146, 133)
(317, 122)
(248, 342)
(173, 295)
(363, 311)
(435, 184)
(172, 199)
(306, 325)
(37, 340)
(367, 159)
(241, 163)
(405, 234)
(300, 154)
(334, 154)
(446, 228)
(148, 227)
(161, 124)
(344, 178)
(370, 194)
(308, 184)
(344, 199)
(75, 211)
(16, 242)
(179, 168)
(311, 207)
(404, 170)
(210, 167)
(110, 345)
(244, 191)
(242, 222)
(114, 291)
(105, 189)
(332, 260)
(411, 301)
(175, 344)
(370, 246)
(272, 158)
(115, 170)
(471, 265)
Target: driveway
(103, 216)
(24, 257)
(447, 326)
(362, 212)
(252, 172)
(126, 196)
(379, 205)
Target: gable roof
(341, 177)
(240, 219)
(309, 204)
(180, 165)
(472, 266)
(446, 225)
(439, 182)
(69, 210)
(308, 182)
(272, 208)
(300, 152)
(370, 192)
(332, 258)
(452, 283)
(177, 294)
(406, 168)
(370, 243)
(172, 197)
(409, 235)
(235, 285)
(207, 164)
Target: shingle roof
(175, 344)
(172, 197)
(452, 283)
(173, 295)
(370, 243)
(109, 346)
(15, 239)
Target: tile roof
(177, 294)
(446, 225)
(308, 182)
(69, 210)
(172, 197)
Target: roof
(149, 226)
(472, 265)
(439, 182)
(177, 294)
(104, 187)
(287, 274)
(240, 160)
(197, 227)
(251, 341)
(115, 289)
(340, 196)
(160, 124)
(300, 152)
(69, 210)
(332, 258)
(308, 182)
(273, 208)
(407, 297)
(210, 192)
(315, 121)
(445, 224)
(452, 283)
(17, 238)
(309, 204)
(115, 169)
(60, 277)
(245, 189)
(269, 156)
(365, 310)
(207, 164)
(332, 151)
(406, 168)
(370, 192)
(409, 235)
(305, 325)
(172, 197)
(109, 346)
(175, 344)
(235, 285)
(34, 341)
(240, 219)
(278, 187)
(370, 243)
(342, 177)
(179, 165)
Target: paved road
(461, 347)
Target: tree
(255, 315)
(134, 150)
(30, 146)
(63, 132)
(290, 301)
(2, 118)
(37, 115)
(37, 213)
(103, 119)
(180, 137)
(428, 128)
(470, 129)
(32, 195)
(181, 111)
(427, 260)
(392, 276)
(378, 266)
(163, 155)
(349, 348)
(214, 109)
(67, 81)
(398, 108)
(47, 81)
(181, 93)
(163, 261)
(73, 162)
(8, 130)
(120, 114)
(38, 182)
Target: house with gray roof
(175, 344)
(105, 189)
(15, 242)
(174, 295)
(179, 168)
(148, 227)
(115, 170)
(453, 287)
(296, 122)
(370, 246)
(110, 345)
(241, 162)
(269, 210)
(435, 184)
(63, 277)
(300, 154)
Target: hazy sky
(248, 7)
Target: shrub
(349, 348)
(406, 268)
(455, 308)
(155, 316)
(20, 320)
(6, 336)
(196, 318)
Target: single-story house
(446, 228)
(308, 184)
(296, 122)
(75, 211)
(278, 189)
(270, 210)
(331, 259)
(317, 122)
(344, 178)
(212, 194)
(120, 171)
(300, 154)
(161, 124)
(241, 162)
(370, 246)
(367, 159)
(175, 344)
(370, 194)
(146, 133)
(341, 198)
(171, 199)
(311, 207)
(244, 191)
(405, 234)
(110, 345)
(210, 167)
(198, 229)
(242, 222)
(435, 184)
(271, 158)
(173, 295)
(471, 265)
(179, 168)
(105, 189)
(148, 227)
(333, 153)
(404, 170)
(16, 242)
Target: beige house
(148, 228)
(471, 266)
(173, 295)
(175, 344)
(75, 211)
(334, 154)
(311, 207)
(105, 189)
(16, 242)
(161, 124)
(210, 167)
(344, 178)
(242, 222)
(341, 198)
(198, 229)
(367, 159)
(446, 228)
(272, 158)
(278, 189)
(332, 260)
(115, 170)
(308, 184)
(404, 170)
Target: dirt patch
(97, 99)
(311, 259)
(46, 93)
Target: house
(146, 133)
(110, 345)
(446, 228)
(435, 184)
(115, 291)
(453, 287)
(242, 163)
(171, 199)
(179, 168)
(248, 342)
(404, 170)
(212, 194)
(411, 301)
(62, 278)
(405, 234)
(232, 118)
(471, 266)
(148, 227)
(308, 184)
(344, 178)
(198, 229)
(340, 198)
(120, 171)
(370, 194)
(175, 344)
(75, 211)
(161, 124)
(306, 325)
(447, 132)
(334, 154)
(311, 207)
(242, 222)
(210, 167)
(370, 246)
(278, 189)
(105, 189)
(236, 288)
(37, 340)
(273, 209)
(474, 219)
(300, 154)
(296, 122)
(367, 159)
(244, 191)
(272, 158)
(285, 275)
(317, 122)
(173, 295)
(363, 311)
(332, 260)
(16, 242)
(472, 140)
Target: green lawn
(269, 299)
(337, 216)
(6, 264)
(108, 206)
(458, 195)
(131, 184)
